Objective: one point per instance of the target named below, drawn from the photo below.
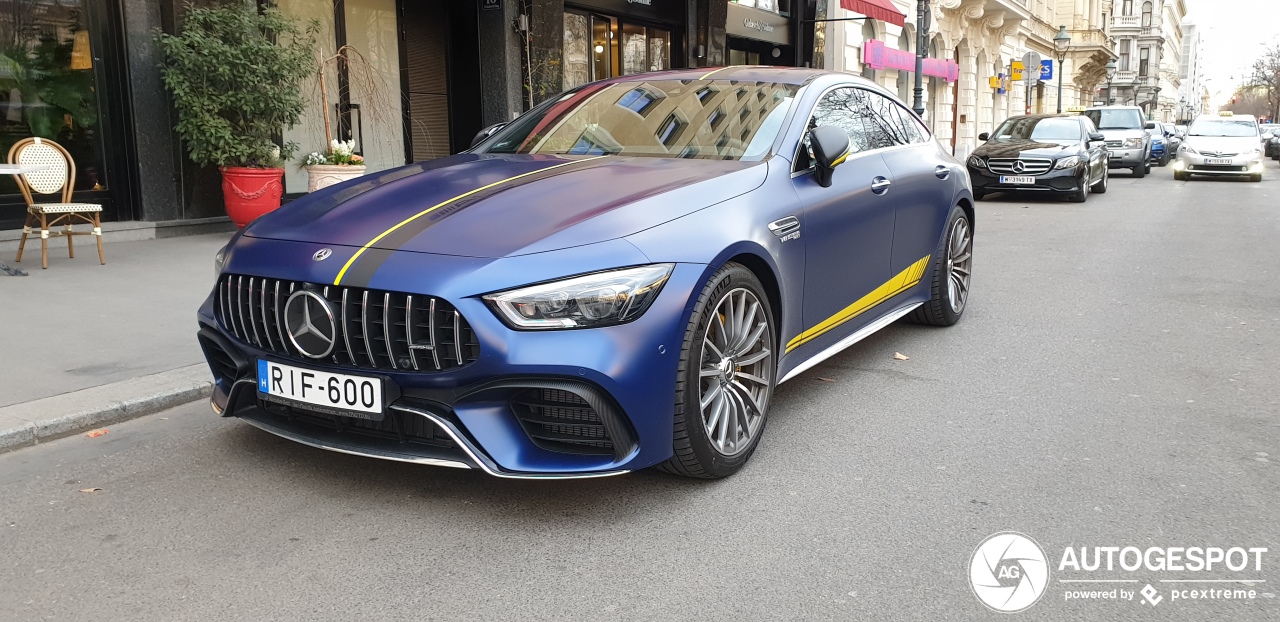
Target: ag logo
(1008, 572)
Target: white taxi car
(1221, 144)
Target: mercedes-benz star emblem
(1019, 166)
(322, 254)
(310, 324)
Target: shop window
(47, 85)
(645, 49)
(577, 50)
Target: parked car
(617, 279)
(1041, 153)
(1270, 140)
(1128, 144)
(1159, 153)
(1172, 140)
(1223, 144)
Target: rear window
(1116, 118)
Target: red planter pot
(251, 192)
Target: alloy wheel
(735, 378)
(959, 264)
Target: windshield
(1115, 118)
(719, 119)
(1236, 128)
(1039, 128)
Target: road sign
(1046, 70)
(1030, 60)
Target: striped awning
(882, 10)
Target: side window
(837, 108)
(912, 129)
(884, 128)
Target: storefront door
(600, 44)
(60, 80)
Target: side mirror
(1151, 125)
(486, 133)
(830, 146)
(984, 137)
(1096, 136)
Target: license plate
(1219, 161)
(1017, 179)
(329, 393)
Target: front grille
(1218, 154)
(375, 329)
(1115, 143)
(559, 420)
(1004, 166)
(1218, 167)
(395, 426)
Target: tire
(1164, 159)
(1147, 170)
(1081, 195)
(1255, 177)
(939, 310)
(1101, 186)
(694, 452)
(979, 195)
(1180, 176)
(1139, 171)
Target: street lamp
(922, 47)
(1111, 73)
(1061, 43)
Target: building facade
(986, 41)
(1149, 45)
(1191, 89)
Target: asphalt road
(1114, 382)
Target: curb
(43, 420)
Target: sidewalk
(87, 344)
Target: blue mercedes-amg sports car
(617, 279)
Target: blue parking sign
(1046, 69)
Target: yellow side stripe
(704, 76)
(350, 262)
(902, 282)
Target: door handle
(942, 172)
(880, 185)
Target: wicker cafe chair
(57, 175)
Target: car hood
(1122, 134)
(498, 206)
(1222, 144)
(1025, 147)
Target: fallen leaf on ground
(826, 379)
(96, 433)
(900, 356)
(90, 489)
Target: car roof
(1112, 108)
(794, 76)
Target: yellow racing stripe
(704, 76)
(902, 282)
(352, 261)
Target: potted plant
(235, 74)
(336, 165)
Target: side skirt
(865, 332)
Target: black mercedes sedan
(1062, 154)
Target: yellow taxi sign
(1076, 109)
(1225, 113)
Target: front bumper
(1063, 180)
(486, 414)
(1126, 158)
(1194, 164)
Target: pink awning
(882, 10)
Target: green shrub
(236, 77)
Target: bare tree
(1264, 77)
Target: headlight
(600, 299)
(220, 260)
(1067, 162)
(1132, 143)
(1188, 149)
(1251, 153)
(977, 162)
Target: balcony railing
(1126, 21)
(1086, 38)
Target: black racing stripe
(361, 272)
